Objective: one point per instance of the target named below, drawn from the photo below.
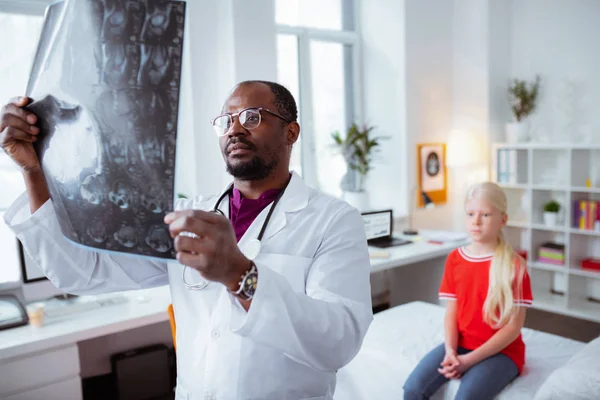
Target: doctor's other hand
(18, 132)
(214, 252)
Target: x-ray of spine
(105, 84)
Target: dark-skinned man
(271, 284)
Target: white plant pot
(358, 200)
(551, 218)
(517, 132)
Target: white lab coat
(311, 309)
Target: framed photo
(431, 173)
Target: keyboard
(388, 242)
(56, 308)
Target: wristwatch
(248, 283)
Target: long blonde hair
(507, 267)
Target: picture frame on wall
(432, 178)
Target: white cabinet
(532, 175)
(47, 374)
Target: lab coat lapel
(295, 198)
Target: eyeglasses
(250, 118)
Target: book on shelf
(552, 253)
(591, 264)
(586, 215)
(507, 166)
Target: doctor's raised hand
(18, 132)
(17, 135)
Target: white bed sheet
(399, 337)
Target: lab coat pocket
(293, 268)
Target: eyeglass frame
(237, 114)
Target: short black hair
(284, 101)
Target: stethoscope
(251, 249)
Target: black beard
(253, 170)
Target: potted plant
(358, 148)
(523, 97)
(551, 210)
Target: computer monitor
(379, 227)
(378, 224)
(35, 285)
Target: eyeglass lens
(249, 119)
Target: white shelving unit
(540, 173)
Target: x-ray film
(105, 83)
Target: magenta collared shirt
(242, 211)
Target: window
(17, 55)
(317, 47)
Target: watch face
(250, 284)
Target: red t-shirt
(466, 280)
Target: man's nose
(236, 128)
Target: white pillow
(578, 379)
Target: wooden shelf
(542, 227)
(583, 189)
(588, 273)
(548, 267)
(583, 309)
(587, 232)
(517, 224)
(542, 172)
(544, 300)
(550, 188)
(517, 186)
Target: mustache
(239, 140)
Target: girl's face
(484, 221)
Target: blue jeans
(482, 381)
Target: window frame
(28, 8)
(305, 35)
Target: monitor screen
(29, 269)
(378, 224)
(35, 287)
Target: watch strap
(245, 284)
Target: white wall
(227, 41)
(255, 40)
(500, 24)
(429, 89)
(384, 103)
(560, 39)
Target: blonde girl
(488, 290)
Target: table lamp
(428, 204)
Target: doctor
(271, 289)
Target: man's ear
(293, 132)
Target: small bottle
(588, 183)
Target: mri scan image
(105, 85)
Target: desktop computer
(379, 226)
(36, 287)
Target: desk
(44, 363)
(421, 281)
